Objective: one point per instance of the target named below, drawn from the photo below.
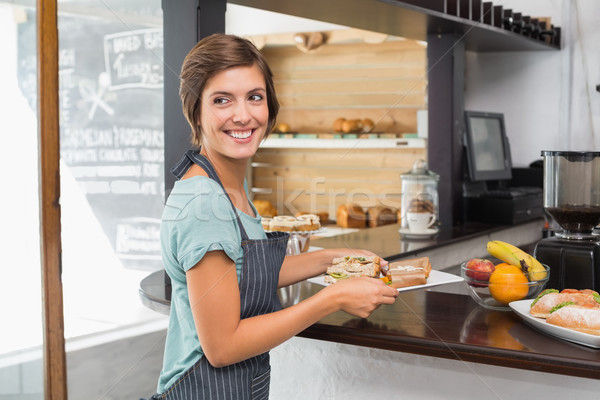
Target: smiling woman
(224, 268)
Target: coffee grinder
(572, 200)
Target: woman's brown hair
(211, 55)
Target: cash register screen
(487, 149)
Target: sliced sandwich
(579, 318)
(549, 299)
(351, 266)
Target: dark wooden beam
(184, 23)
(445, 65)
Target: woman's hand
(361, 296)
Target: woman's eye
(256, 97)
(220, 100)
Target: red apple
(479, 269)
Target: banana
(510, 254)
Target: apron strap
(194, 157)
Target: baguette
(542, 306)
(579, 318)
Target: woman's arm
(306, 265)
(227, 339)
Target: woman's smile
(237, 134)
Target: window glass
(112, 189)
(20, 313)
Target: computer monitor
(487, 148)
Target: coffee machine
(572, 201)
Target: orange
(508, 283)
(499, 324)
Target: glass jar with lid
(419, 192)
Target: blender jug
(572, 199)
(572, 191)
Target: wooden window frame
(55, 380)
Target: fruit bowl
(504, 288)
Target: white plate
(521, 307)
(421, 235)
(435, 278)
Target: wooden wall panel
(385, 82)
(320, 180)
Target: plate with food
(572, 315)
(403, 275)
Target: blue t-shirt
(197, 218)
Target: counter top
(437, 323)
(442, 321)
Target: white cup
(420, 222)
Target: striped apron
(258, 282)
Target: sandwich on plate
(409, 272)
(351, 266)
(399, 274)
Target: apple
(479, 269)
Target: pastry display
(304, 223)
(323, 216)
(308, 222)
(285, 223)
(266, 223)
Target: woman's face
(234, 113)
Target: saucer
(418, 235)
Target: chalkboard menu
(111, 124)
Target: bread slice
(409, 272)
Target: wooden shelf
(274, 143)
(397, 18)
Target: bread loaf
(337, 124)
(265, 208)
(367, 125)
(380, 215)
(352, 125)
(351, 216)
